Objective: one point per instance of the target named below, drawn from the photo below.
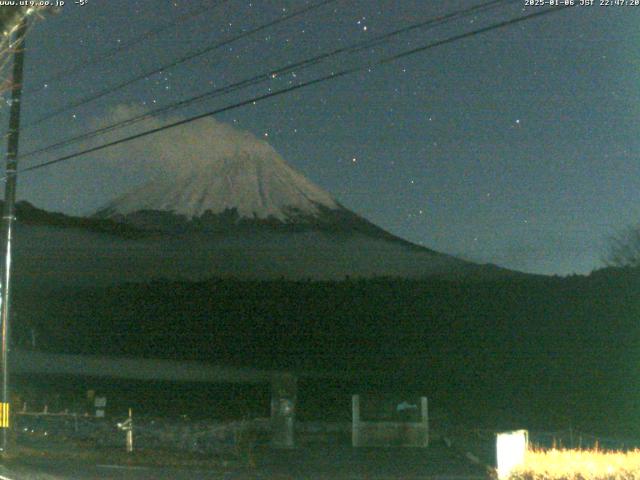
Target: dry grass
(561, 464)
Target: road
(323, 462)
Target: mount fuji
(249, 189)
(258, 184)
(238, 211)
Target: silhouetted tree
(624, 249)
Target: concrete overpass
(24, 362)
(283, 383)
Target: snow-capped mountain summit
(242, 185)
(257, 183)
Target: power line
(181, 60)
(375, 41)
(127, 45)
(331, 76)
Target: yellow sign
(4, 415)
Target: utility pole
(8, 217)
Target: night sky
(518, 146)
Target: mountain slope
(240, 190)
(239, 211)
(52, 250)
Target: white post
(127, 426)
(283, 410)
(130, 434)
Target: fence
(150, 433)
(198, 436)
